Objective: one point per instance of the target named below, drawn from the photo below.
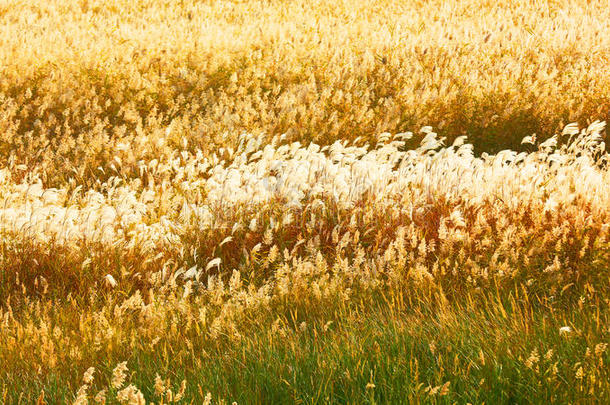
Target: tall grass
(84, 81)
(218, 202)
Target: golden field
(304, 202)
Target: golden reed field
(304, 202)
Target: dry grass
(83, 81)
(198, 202)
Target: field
(347, 201)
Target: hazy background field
(274, 202)
(103, 73)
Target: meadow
(313, 201)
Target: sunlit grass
(304, 202)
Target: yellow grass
(189, 188)
(80, 80)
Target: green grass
(479, 346)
